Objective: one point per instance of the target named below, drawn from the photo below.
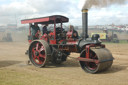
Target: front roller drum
(100, 59)
(39, 53)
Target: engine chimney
(84, 23)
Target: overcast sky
(12, 11)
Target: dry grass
(14, 71)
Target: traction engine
(55, 46)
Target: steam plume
(102, 3)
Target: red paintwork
(87, 51)
(35, 20)
(51, 35)
(29, 30)
(29, 41)
(72, 42)
(44, 37)
(48, 20)
(37, 58)
(91, 45)
(60, 42)
(29, 34)
(88, 60)
(68, 48)
(52, 41)
(52, 38)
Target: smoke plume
(102, 3)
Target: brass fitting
(84, 10)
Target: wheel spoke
(40, 55)
(41, 49)
(37, 46)
(92, 65)
(39, 60)
(33, 52)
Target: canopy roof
(46, 20)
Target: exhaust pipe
(84, 23)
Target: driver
(44, 29)
(74, 32)
(35, 31)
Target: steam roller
(55, 46)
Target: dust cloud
(101, 3)
(13, 35)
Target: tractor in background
(111, 36)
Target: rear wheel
(104, 57)
(39, 53)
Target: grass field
(15, 71)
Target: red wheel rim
(38, 53)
